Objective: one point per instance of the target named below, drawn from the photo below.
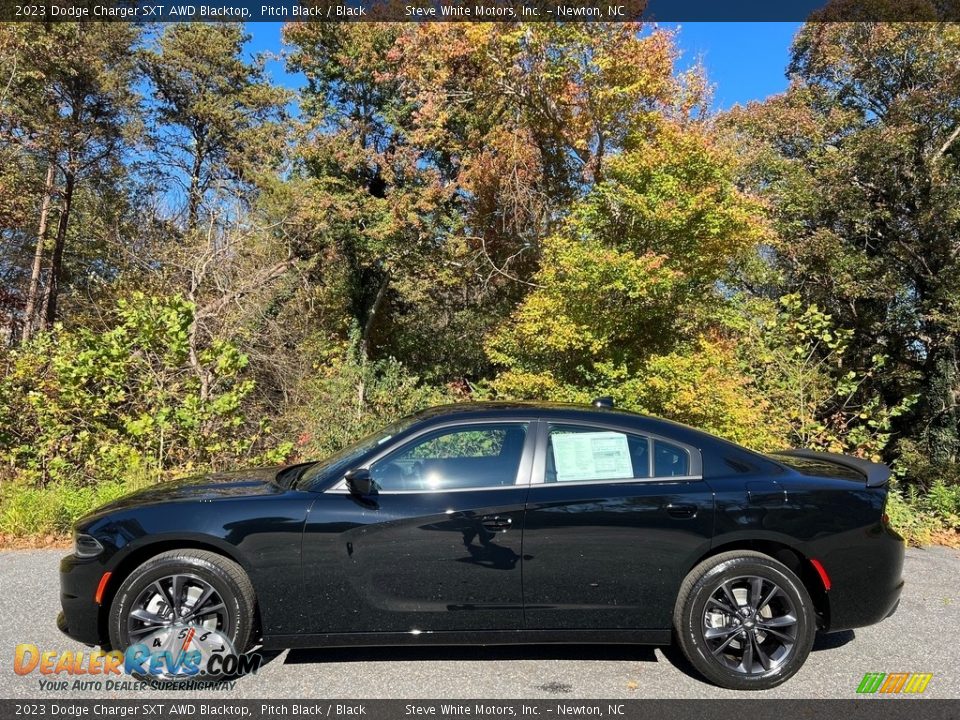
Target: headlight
(86, 546)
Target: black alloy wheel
(744, 620)
(184, 599)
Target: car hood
(208, 486)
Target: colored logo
(893, 683)
(169, 653)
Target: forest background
(201, 268)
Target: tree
(216, 114)
(627, 301)
(454, 149)
(70, 102)
(859, 164)
(378, 211)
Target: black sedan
(501, 523)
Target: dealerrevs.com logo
(172, 655)
(894, 683)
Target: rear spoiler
(877, 474)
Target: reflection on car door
(437, 548)
(614, 518)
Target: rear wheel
(744, 620)
(191, 604)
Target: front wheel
(178, 610)
(744, 620)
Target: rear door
(437, 548)
(614, 520)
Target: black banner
(877, 708)
(475, 10)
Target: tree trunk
(56, 265)
(193, 201)
(365, 343)
(34, 289)
(371, 318)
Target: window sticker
(591, 456)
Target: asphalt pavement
(923, 636)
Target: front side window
(469, 456)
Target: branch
(258, 280)
(500, 271)
(946, 146)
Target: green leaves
(91, 406)
(626, 301)
(858, 163)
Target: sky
(744, 61)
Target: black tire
(724, 657)
(226, 578)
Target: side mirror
(360, 482)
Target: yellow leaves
(626, 295)
(674, 194)
(593, 300)
(702, 385)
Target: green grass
(27, 511)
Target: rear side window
(587, 454)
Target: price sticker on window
(591, 456)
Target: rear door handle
(682, 510)
(496, 523)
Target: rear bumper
(867, 580)
(79, 618)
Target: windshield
(336, 465)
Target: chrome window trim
(624, 481)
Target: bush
(924, 519)
(27, 511)
(83, 407)
(350, 397)
(924, 504)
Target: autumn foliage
(203, 268)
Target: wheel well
(796, 561)
(139, 556)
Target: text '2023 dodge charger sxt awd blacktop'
(498, 523)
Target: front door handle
(682, 510)
(496, 523)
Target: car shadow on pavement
(491, 653)
(494, 653)
(830, 641)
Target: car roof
(716, 452)
(562, 411)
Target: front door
(614, 521)
(437, 548)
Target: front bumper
(79, 618)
